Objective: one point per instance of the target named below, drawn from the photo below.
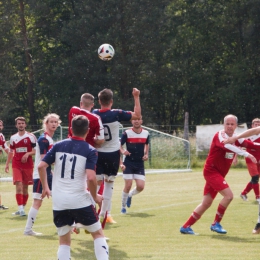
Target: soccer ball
(106, 52)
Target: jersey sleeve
(49, 157)
(92, 160)
(44, 145)
(123, 138)
(248, 144)
(124, 115)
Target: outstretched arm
(247, 133)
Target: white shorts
(134, 177)
(91, 229)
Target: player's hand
(7, 168)
(252, 158)
(136, 92)
(230, 140)
(145, 157)
(46, 193)
(122, 166)
(98, 199)
(126, 153)
(24, 158)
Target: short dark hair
(105, 96)
(79, 125)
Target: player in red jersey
(216, 168)
(21, 151)
(253, 169)
(6, 149)
(95, 135)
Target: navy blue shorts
(134, 167)
(37, 185)
(86, 216)
(108, 163)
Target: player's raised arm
(137, 107)
(247, 133)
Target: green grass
(150, 230)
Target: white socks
(107, 195)
(133, 192)
(124, 199)
(31, 219)
(63, 252)
(101, 249)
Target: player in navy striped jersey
(74, 168)
(109, 152)
(137, 148)
(44, 144)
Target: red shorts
(214, 183)
(253, 169)
(23, 175)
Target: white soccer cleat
(31, 233)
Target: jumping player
(216, 168)
(95, 135)
(137, 148)
(109, 153)
(43, 145)
(75, 163)
(21, 151)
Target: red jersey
(21, 145)
(95, 125)
(2, 141)
(256, 153)
(221, 155)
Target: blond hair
(47, 118)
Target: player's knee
(255, 179)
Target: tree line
(195, 56)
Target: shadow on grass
(233, 238)
(140, 215)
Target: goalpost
(167, 153)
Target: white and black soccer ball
(106, 52)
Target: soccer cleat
(106, 238)
(110, 220)
(256, 230)
(243, 197)
(217, 228)
(17, 213)
(22, 213)
(87, 232)
(3, 207)
(76, 230)
(31, 233)
(123, 211)
(187, 231)
(128, 202)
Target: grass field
(150, 230)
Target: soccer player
(6, 149)
(75, 162)
(137, 148)
(95, 135)
(253, 169)
(109, 152)
(44, 143)
(22, 146)
(216, 168)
